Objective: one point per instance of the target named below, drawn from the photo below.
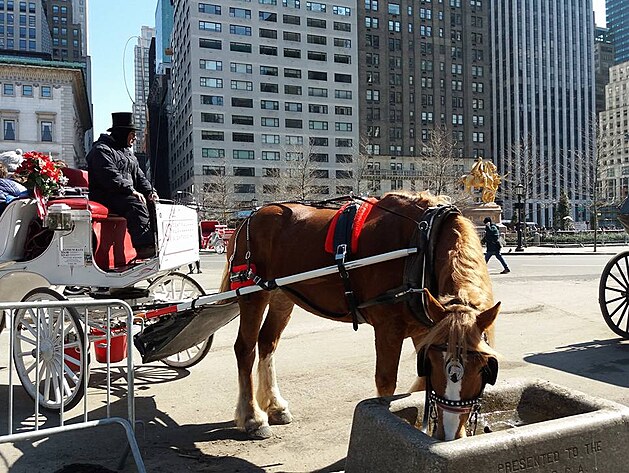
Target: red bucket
(118, 349)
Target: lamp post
(519, 192)
(254, 203)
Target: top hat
(122, 120)
(487, 220)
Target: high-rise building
(544, 103)
(142, 84)
(67, 21)
(614, 137)
(423, 66)
(603, 60)
(24, 29)
(259, 86)
(618, 24)
(164, 15)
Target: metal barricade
(49, 323)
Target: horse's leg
(389, 340)
(268, 395)
(249, 417)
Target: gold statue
(483, 176)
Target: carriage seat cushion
(76, 177)
(98, 210)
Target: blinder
(489, 371)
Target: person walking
(492, 241)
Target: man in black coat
(492, 240)
(117, 182)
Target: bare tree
(297, 178)
(216, 196)
(362, 168)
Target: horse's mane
(463, 275)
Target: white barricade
(50, 332)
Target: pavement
(566, 250)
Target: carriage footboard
(183, 330)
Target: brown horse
(284, 239)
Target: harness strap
(350, 297)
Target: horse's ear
(433, 307)
(486, 319)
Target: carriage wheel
(613, 294)
(57, 385)
(176, 286)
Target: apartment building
(257, 86)
(618, 24)
(423, 66)
(24, 28)
(142, 84)
(544, 104)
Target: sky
(110, 25)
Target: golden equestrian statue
(483, 176)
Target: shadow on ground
(601, 360)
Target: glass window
(8, 127)
(27, 90)
(8, 89)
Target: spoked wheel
(58, 385)
(613, 294)
(177, 286)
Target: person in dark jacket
(117, 182)
(492, 240)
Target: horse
(454, 337)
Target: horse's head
(457, 363)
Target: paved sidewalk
(566, 250)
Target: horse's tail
(225, 284)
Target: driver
(117, 182)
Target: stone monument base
(477, 213)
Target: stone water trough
(534, 426)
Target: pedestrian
(117, 182)
(197, 263)
(492, 241)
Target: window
(342, 59)
(211, 82)
(211, 100)
(345, 78)
(293, 107)
(27, 91)
(342, 110)
(317, 92)
(317, 108)
(268, 121)
(269, 105)
(319, 141)
(343, 94)
(316, 23)
(317, 75)
(270, 139)
(240, 30)
(265, 33)
(8, 89)
(240, 13)
(294, 53)
(45, 128)
(240, 102)
(212, 171)
(292, 89)
(343, 11)
(8, 128)
(244, 188)
(292, 73)
(210, 43)
(291, 36)
(211, 65)
(342, 43)
(240, 47)
(291, 20)
(210, 26)
(268, 71)
(243, 137)
(242, 120)
(212, 135)
(243, 154)
(294, 140)
(340, 26)
(318, 125)
(316, 39)
(316, 6)
(212, 153)
(343, 142)
(268, 50)
(267, 16)
(242, 85)
(212, 117)
(293, 123)
(317, 56)
(241, 68)
(343, 126)
(210, 8)
(269, 88)
(270, 155)
(45, 91)
(319, 157)
(238, 171)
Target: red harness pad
(239, 276)
(359, 221)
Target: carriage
(81, 250)
(613, 290)
(214, 236)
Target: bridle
(472, 406)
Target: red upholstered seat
(98, 210)
(76, 177)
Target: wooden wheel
(613, 294)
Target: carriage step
(120, 293)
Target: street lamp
(254, 203)
(519, 192)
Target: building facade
(618, 24)
(164, 15)
(259, 86)
(142, 84)
(67, 22)
(603, 60)
(544, 104)
(423, 66)
(44, 108)
(614, 137)
(24, 28)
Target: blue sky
(111, 24)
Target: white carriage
(82, 248)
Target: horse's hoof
(261, 433)
(280, 417)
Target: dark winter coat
(113, 169)
(492, 238)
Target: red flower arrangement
(38, 170)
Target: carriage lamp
(59, 217)
(519, 192)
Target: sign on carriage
(71, 257)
